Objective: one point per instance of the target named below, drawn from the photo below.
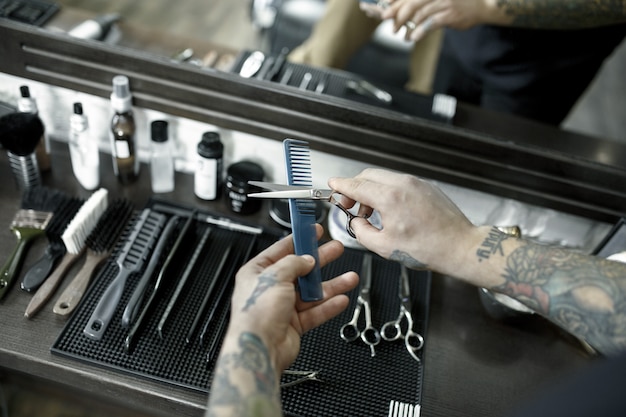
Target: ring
(427, 24)
(410, 25)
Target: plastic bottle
(161, 160)
(27, 104)
(84, 152)
(125, 161)
(208, 175)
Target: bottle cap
(121, 97)
(78, 108)
(210, 146)
(158, 129)
(26, 104)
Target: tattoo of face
(266, 280)
(492, 244)
(255, 358)
(407, 260)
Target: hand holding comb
(29, 223)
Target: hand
(265, 301)
(428, 15)
(420, 225)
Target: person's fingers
(367, 234)
(336, 286)
(329, 252)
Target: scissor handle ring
(391, 331)
(409, 339)
(370, 336)
(349, 332)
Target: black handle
(41, 270)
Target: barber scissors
(300, 192)
(392, 330)
(350, 331)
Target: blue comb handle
(302, 214)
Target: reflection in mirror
(227, 25)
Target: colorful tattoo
(266, 280)
(582, 294)
(571, 14)
(407, 260)
(492, 244)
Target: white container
(208, 175)
(161, 160)
(84, 152)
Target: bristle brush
(74, 238)
(302, 212)
(29, 223)
(65, 212)
(100, 243)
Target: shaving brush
(19, 134)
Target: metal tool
(350, 331)
(252, 64)
(392, 330)
(302, 376)
(400, 409)
(307, 193)
(367, 89)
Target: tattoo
(584, 295)
(407, 260)
(231, 392)
(266, 280)
(492, 244)
(571, 14)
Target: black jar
(237, 187)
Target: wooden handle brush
(74, 238)
(100, 243)
(29, 223)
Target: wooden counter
(474, 365)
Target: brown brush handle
(71, 296)
(46, 290)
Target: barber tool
(219, 335)
(392, 330)
(224, 291)
(41, 269)
(252, 64)
(306, 80)
(29, 223)
(301, 376)
(350, 331)
(191, 264)
(132, 307)
(265, 68)
(73, 238)
(95, 29)
(167, 271)
(207, 296)
(99, 243)
(321, 86)
(278, 64)
(286, 76)
(20, 134)
(367, 89)
(400, 409)
(130, 259)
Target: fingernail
(310, 259)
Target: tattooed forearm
(407, 260)
(563, 14)
(266, 280)
(245, 382)
(491, 245)
(584, 295)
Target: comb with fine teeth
(302, 212)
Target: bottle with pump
(83, 150)
(27, 104)
(161, 160)
(208, 175)
(125, 160)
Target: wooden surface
(474, 365)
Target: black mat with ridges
(354, 383)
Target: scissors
(350, 331)
(300, 192)
(392, 330)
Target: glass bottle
(27, 104)
(208, 175)
(84, 152)
(125, 160)
(161, 160)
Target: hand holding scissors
(392, 330)
(350, 331)
(300, 192)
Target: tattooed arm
(267, 321)
(422, 228)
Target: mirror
(227, 25)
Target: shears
(392, 330)
(305, 193)
(350, 331)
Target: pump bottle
(83, 150)
(123, 144)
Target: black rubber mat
(353, 382)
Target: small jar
(237, 187)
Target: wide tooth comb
(130, 259)
(302, 212)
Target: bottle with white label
(161, 160)
(125, 160)
(83, 150)
(208, 175)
